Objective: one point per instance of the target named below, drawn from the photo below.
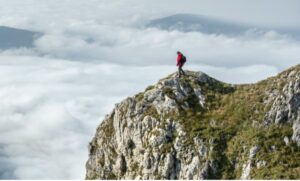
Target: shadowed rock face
(197, 127)
(16, 38)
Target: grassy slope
(232, 122)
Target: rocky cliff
(197, 127)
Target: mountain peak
(214, 25)
(197, 127)
(17, 38)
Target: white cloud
(50, 109)
(94, 54)
(131, 46)
(55, 14)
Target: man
(181, 59)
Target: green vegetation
(93, 177)
(134, 166)
(227, 124)
(111, 176)
(139, 97)
(231, 123)
(149, 88)
(108, 128)
(166, 148)
(283, 161)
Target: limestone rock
(184, 129)
(248, 166)
(296, 133)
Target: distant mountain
(209, 25)
(16, 38)
(190, 22)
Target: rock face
(285, 108)
(197, 127)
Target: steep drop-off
(197, 127)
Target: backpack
(183, 59)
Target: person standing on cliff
(181, 59)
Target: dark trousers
(180, 71)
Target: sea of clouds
(92, 55)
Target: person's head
(178, 52)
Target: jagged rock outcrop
(285, 108)
(197, 127)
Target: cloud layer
(92, 55)
(50, 109)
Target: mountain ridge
(197, 127)
(17, 38)
(214, 25)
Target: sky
(95, 53)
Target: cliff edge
(197, 127)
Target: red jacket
(179, 60)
